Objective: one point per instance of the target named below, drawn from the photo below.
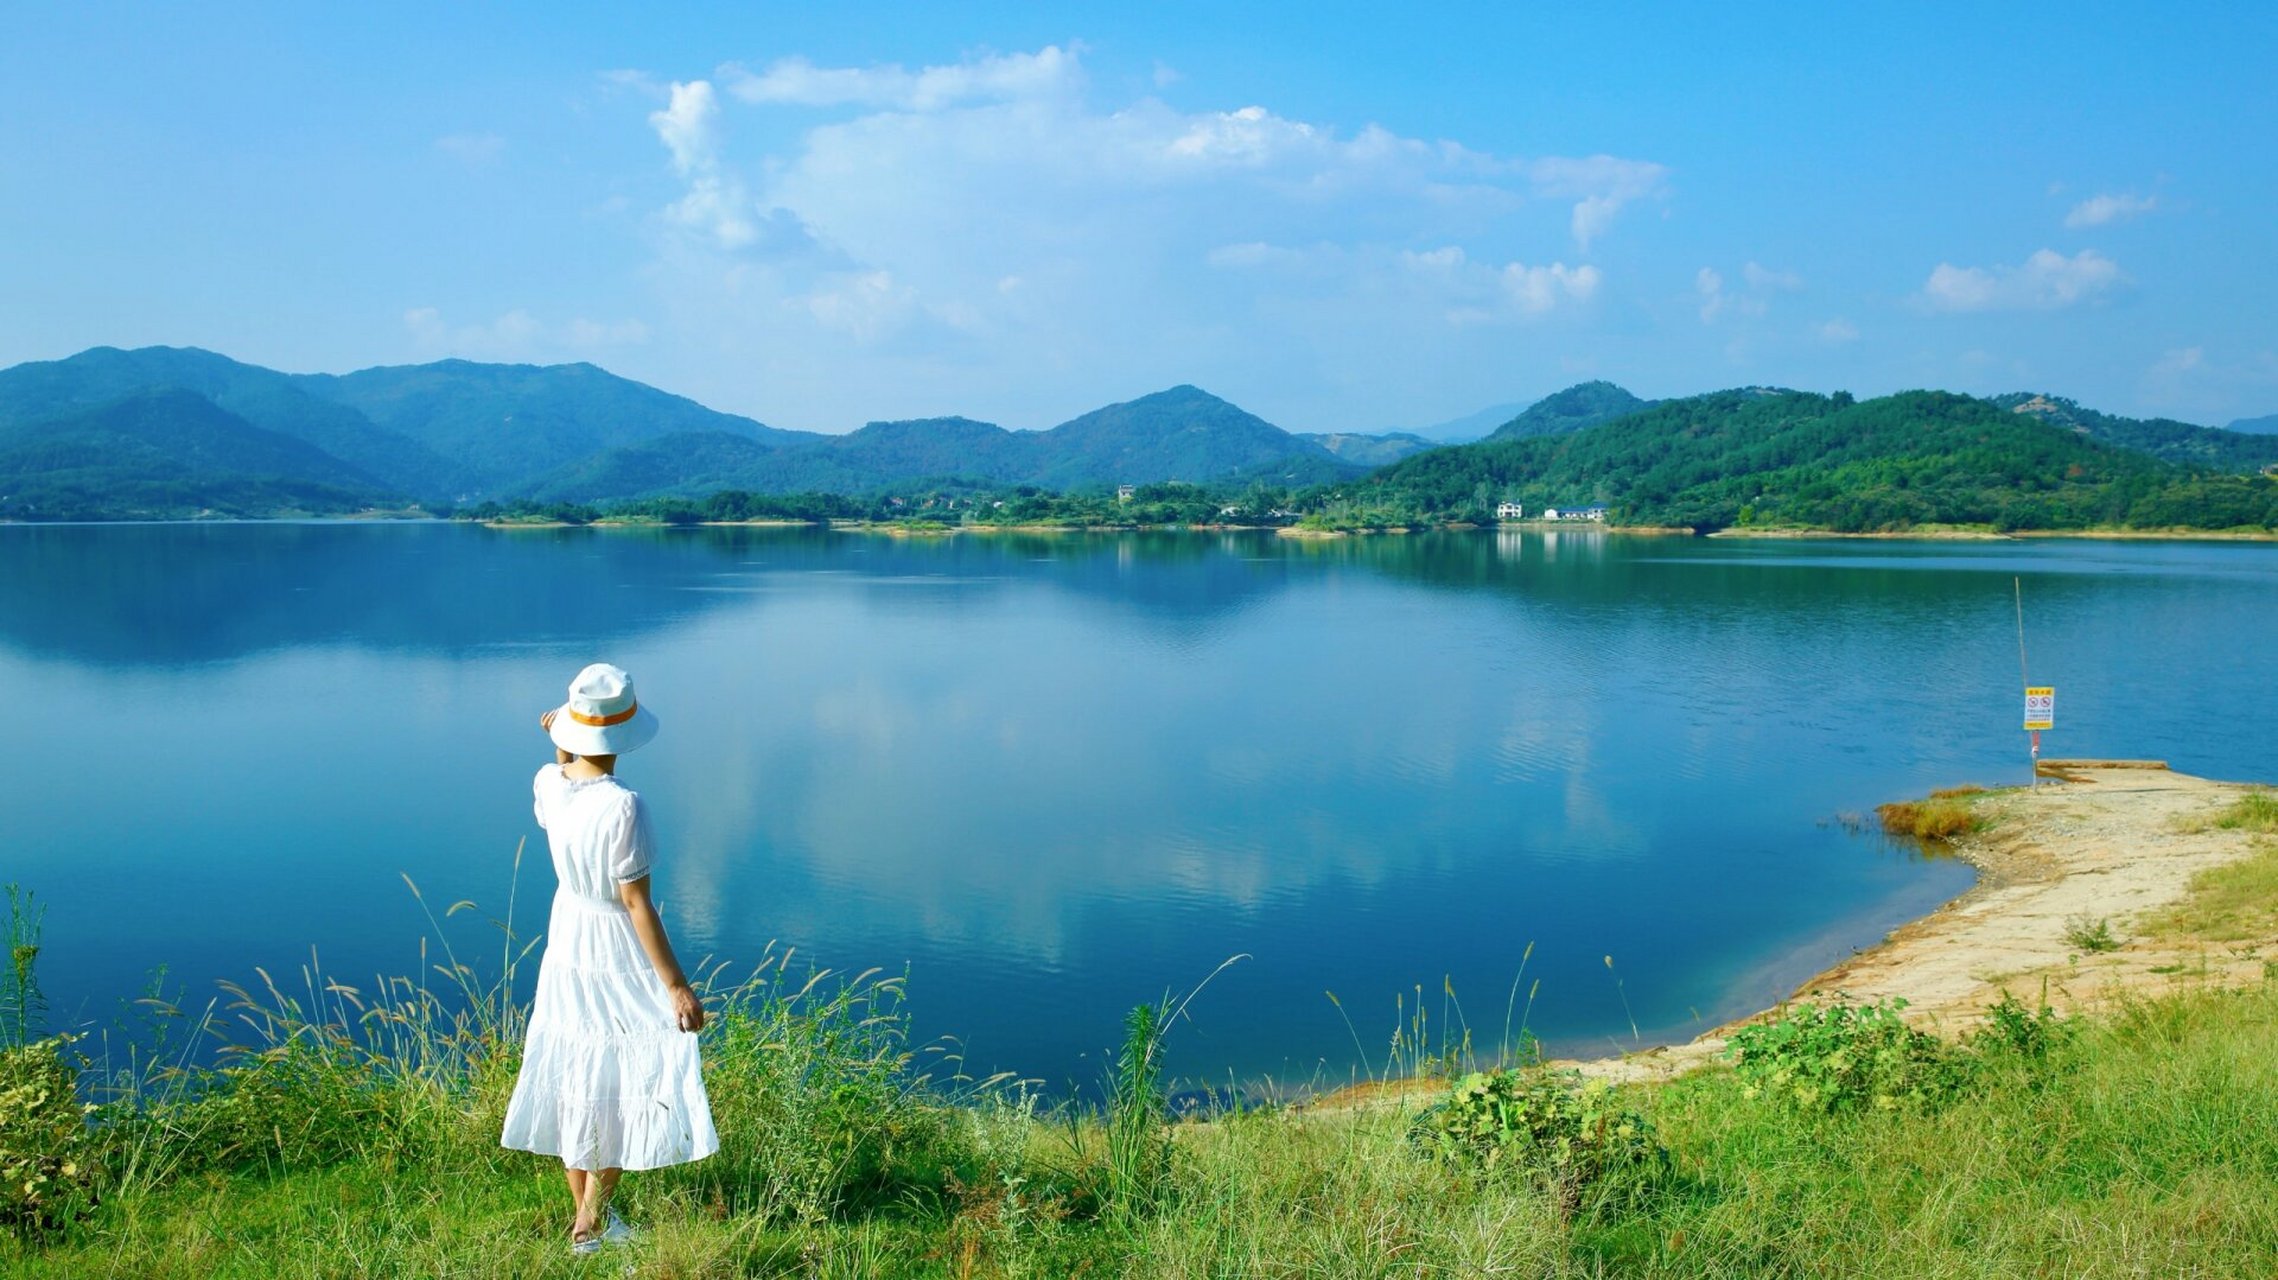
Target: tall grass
(2136, 1146)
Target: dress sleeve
(631, 844)
(538, 789)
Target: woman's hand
(546, 723)
(687, 1010)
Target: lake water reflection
(1054, 776)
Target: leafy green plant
(46, 1157)
(1845, 1057)
(1138, 1138)
(21, 1002)
(2092, 935)
(2015, 1032)
(1573, 1135)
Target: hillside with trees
(1769, 458)
(1585, 404)
(2210, 447)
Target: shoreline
(2013, 535)
(2096, 840)
(1735, 533)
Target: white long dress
(609, 1081)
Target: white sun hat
(602, 718)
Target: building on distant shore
(1574, 513)
(1510, 511)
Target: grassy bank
(352, 1133)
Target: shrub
(46, 1158)
(1570, 1134)
(2093, 935)
(2015, 1032)
(1845, 1057)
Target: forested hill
(2212, 447)
(1759, 457)
(1585, 404)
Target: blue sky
(1342, 217)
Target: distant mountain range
(168, 432)
(2265, 425)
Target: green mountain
(262, 397)
(505, 426)
(1184, 433)
(170, 453)
(1180, 434)
(1762, 457)
(2160, 437)
(1585, 404)
(2257, 426)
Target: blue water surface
(1053, 776)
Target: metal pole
(2025, 679)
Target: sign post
(2040, 713)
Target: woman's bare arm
(687, 1010)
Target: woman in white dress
(610, 1077)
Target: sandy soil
(2098, 843)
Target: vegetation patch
(2235, 902)
(2090, 934)
(1570, 1134)
(1943, 816)
(2257, 810)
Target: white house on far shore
(1510, 511)
(1574, 513)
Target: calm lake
(1052, 777)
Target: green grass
(365, 1146)
(2257, 810)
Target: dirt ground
(2112, 844)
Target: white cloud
(1145, 239)
(715, 203)
(1048, 72)
(474, 150)
(1537, 289)
(2046, 281)
(1603, 184)
(1836, 332)
(2096, 211)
